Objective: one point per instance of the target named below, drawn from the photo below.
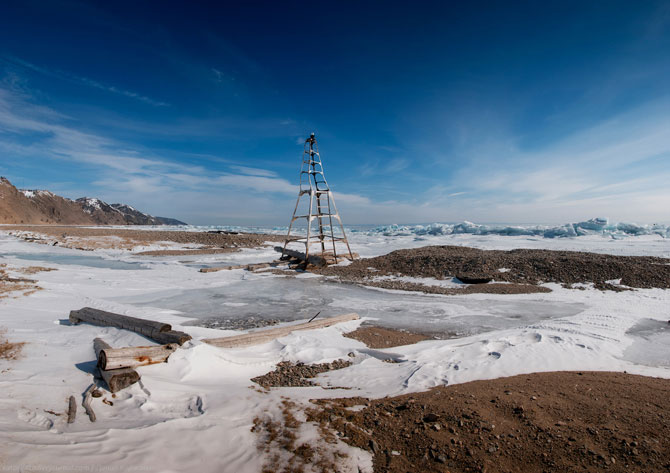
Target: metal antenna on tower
(322, 208)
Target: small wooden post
(71, 410)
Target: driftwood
(71, 410)
(248, 267)
(263, 336)
(130, 357)
(87, 402)
(158, 331)
(116, 379)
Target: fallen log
(149, 328)
(263, 336)
(71, 410)
(173, 336)
(116, 379)
(110, 319)
(130, 357)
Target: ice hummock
(594, 226)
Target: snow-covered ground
(196, 411)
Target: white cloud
(253, 171)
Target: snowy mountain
(43, 207)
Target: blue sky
(538, 112)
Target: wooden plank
(263, 336)
(116, 379)
(130, 357)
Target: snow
(95, 203)
(32, 193)
(197, 410)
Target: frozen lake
(287, 299)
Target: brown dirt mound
(544, 422)
(379, 337)
(522, 266)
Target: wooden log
(109, 319)
(263, 336)
(87, 402)
(71, 410)
(116, 379)
(158, 331)
(130, 357)
(173, 336)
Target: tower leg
(309, 225)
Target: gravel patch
(297, 374)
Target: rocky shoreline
(512, 272)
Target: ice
(651, 343)
(75, 259)
(295, 299)
(599, 226)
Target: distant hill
(44, 207)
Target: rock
(430, 417)
(374, 447)
(441, 459)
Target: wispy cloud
(75, 79)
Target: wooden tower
(321, 210)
